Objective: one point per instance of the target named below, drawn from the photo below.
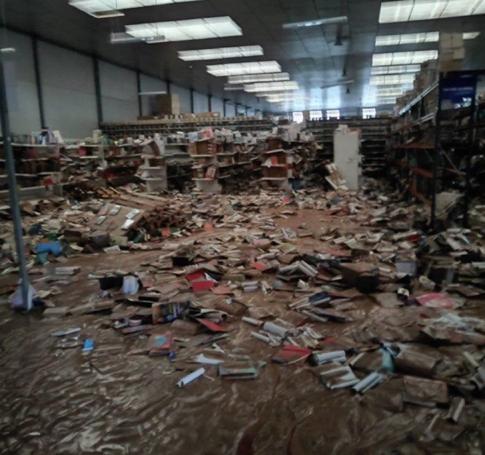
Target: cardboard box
(165, 105)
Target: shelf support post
(436, 155)
(470, 152)
(12, 190)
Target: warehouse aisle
(316, 277)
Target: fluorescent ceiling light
(416, 38)
(233, 88)
(273, 94)
(221, 53)
(235, 69)
(157, 92)
(395, 69)
(111, 8)
(286, 100)
(262, 87)
(317, 22)
(192, 29)
(390, 91)
(269, 77)
(7, 50)
(386, 100)
(285, 96)
(107, 14)
(407, 38)
(392, 79)
(419, 10)
(122, 38)
(403, 58)
(471, 35)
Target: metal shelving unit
(436, 136)
(375, 140)
(170, 126)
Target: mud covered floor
(116, 401)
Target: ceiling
(310, 55)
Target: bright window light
(369, 112)
(261, 87)
(316, 115)
(392, 79)
(236, 69)
(403, 58)
(250, 78)
(333, 114)
(419, 10)
(395, 69)
(205, 28)
(407, 38)
(221, 53)
(298, 117)
(111, 8)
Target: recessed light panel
(416, 38)
(403, 58)
(471, 35)
(273, 94)
(235, 69)
(407, 38)
(420, 10)
(233, 88)
(271, 87)
(386, 100)
(391, 91)
(193, 29)
(284, 97)
(269, 77)
(270, 94)
(392, 79)
(221, 53)
(111, 8)
(395, 69)
(317, 22)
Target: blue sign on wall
(458, 90)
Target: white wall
(68, 88)
(22, 98)
(150, 84)
(69, 92)
(119, 93)
(201, 103)
(184, 95)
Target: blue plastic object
(387, 361)
(88, 345)
(54, 248)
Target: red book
(195, 276)
(201, 286)
(212, 326)
(290, 353)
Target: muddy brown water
(59, 401)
